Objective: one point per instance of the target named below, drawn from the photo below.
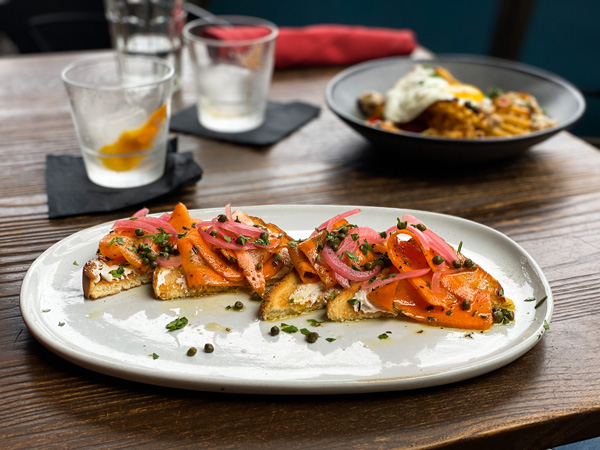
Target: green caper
(510, 314)
(152, 256)
(368, 265)
(208, 348)
(456, 264)
(153, 264)
(274, 330)
(222, 218)
(277, 257)
(344, 230)
(495, 308)
(139, 232)
(498, 316)
(264, 235)
(312, 337)
(238, 305)
(469, 264)
(383, 234)
(192, 351)
(259, 266)
(437, 260)
(255, 297)
(213, 233)
(342, 236)
(421, 227)
(466, 305)
(145, 261)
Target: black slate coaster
(281, 119)
(70, 191)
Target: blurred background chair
(551, 34)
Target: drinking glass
(148, 28)
(233, 60)
(121, 109)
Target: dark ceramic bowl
(562, 101)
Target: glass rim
(91, 61)
(230, 18)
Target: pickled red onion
(396, 277)
(159, 223)
(344, 270)
(141, 213)
(328, 225)
(128, 225)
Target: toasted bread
(100, 278)
(291, 297)
(340, 310)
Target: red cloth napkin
(326, 45)
(336, 45)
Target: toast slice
(352, 304)
(291, 297)
(101, 278)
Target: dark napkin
(70, 191)
(281, 119)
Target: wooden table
(547, 200)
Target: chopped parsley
(118, 273)
(177, 324)
(288, 328)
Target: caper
(335, 247)
(437, 259)
(469, 264)
(383, 234)
(274, 330)
(169, 247)
(222, 218)
(466, 305)
(277, 257)
(256, 297)
(152, 256)
(153, 264)
(456, 264)
(145, 261)
(368, 265)
(495, 308)
(342, 236)
(259, 266)
(208, 348)
(139, 232)
(498, 316)
(344, 230)
(312, 337)
(510, 314)
(421, 227)
(264, 235)
(213, 233)
(238, 305)
(192, 351)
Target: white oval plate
(122, 335)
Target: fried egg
(421, 88)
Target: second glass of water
(233, 59)
(148, 28)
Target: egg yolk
(466, 92)
(132, 141)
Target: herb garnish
(177, 324)
(288, 328)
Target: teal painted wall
(562, 35)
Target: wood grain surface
(547, 200)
